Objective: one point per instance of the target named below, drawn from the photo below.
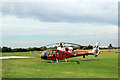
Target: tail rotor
(96, 50)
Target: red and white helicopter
(63, 52)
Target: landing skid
(57, 61)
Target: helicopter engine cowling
(70, 49)
(67, 49)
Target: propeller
(52, 44)
(72, 43)
(62, 44)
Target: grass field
(104, 66)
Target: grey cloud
(82, 12)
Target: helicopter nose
(42, 56)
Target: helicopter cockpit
(45, 54)
(52, 53)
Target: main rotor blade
(52, 44)
(72, 43)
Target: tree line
(9, 49)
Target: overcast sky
(28, 24)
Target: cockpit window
(57, 51)
(53, 53)
(46, 52)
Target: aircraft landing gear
(56, 60)
(65, 59)
(51, 61)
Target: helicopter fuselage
(53, 54)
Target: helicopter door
(52, 53)
(58, 54)
(61, 54)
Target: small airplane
(58, 54)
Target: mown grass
(104, 66)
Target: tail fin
(96, 50)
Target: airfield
(103, 66)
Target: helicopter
(60, 53)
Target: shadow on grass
(74, 61)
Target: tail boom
(94, 52)
(82, 54)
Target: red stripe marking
(95, 46)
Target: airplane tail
(96, 50)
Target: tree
(90, 47)
(43, 48)
(84, 48)
(53, 47)
(15, 50)
(6, 49)
(110, 46)
(0, 49)
(36, 49)
(30, 49)
(19, 50)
